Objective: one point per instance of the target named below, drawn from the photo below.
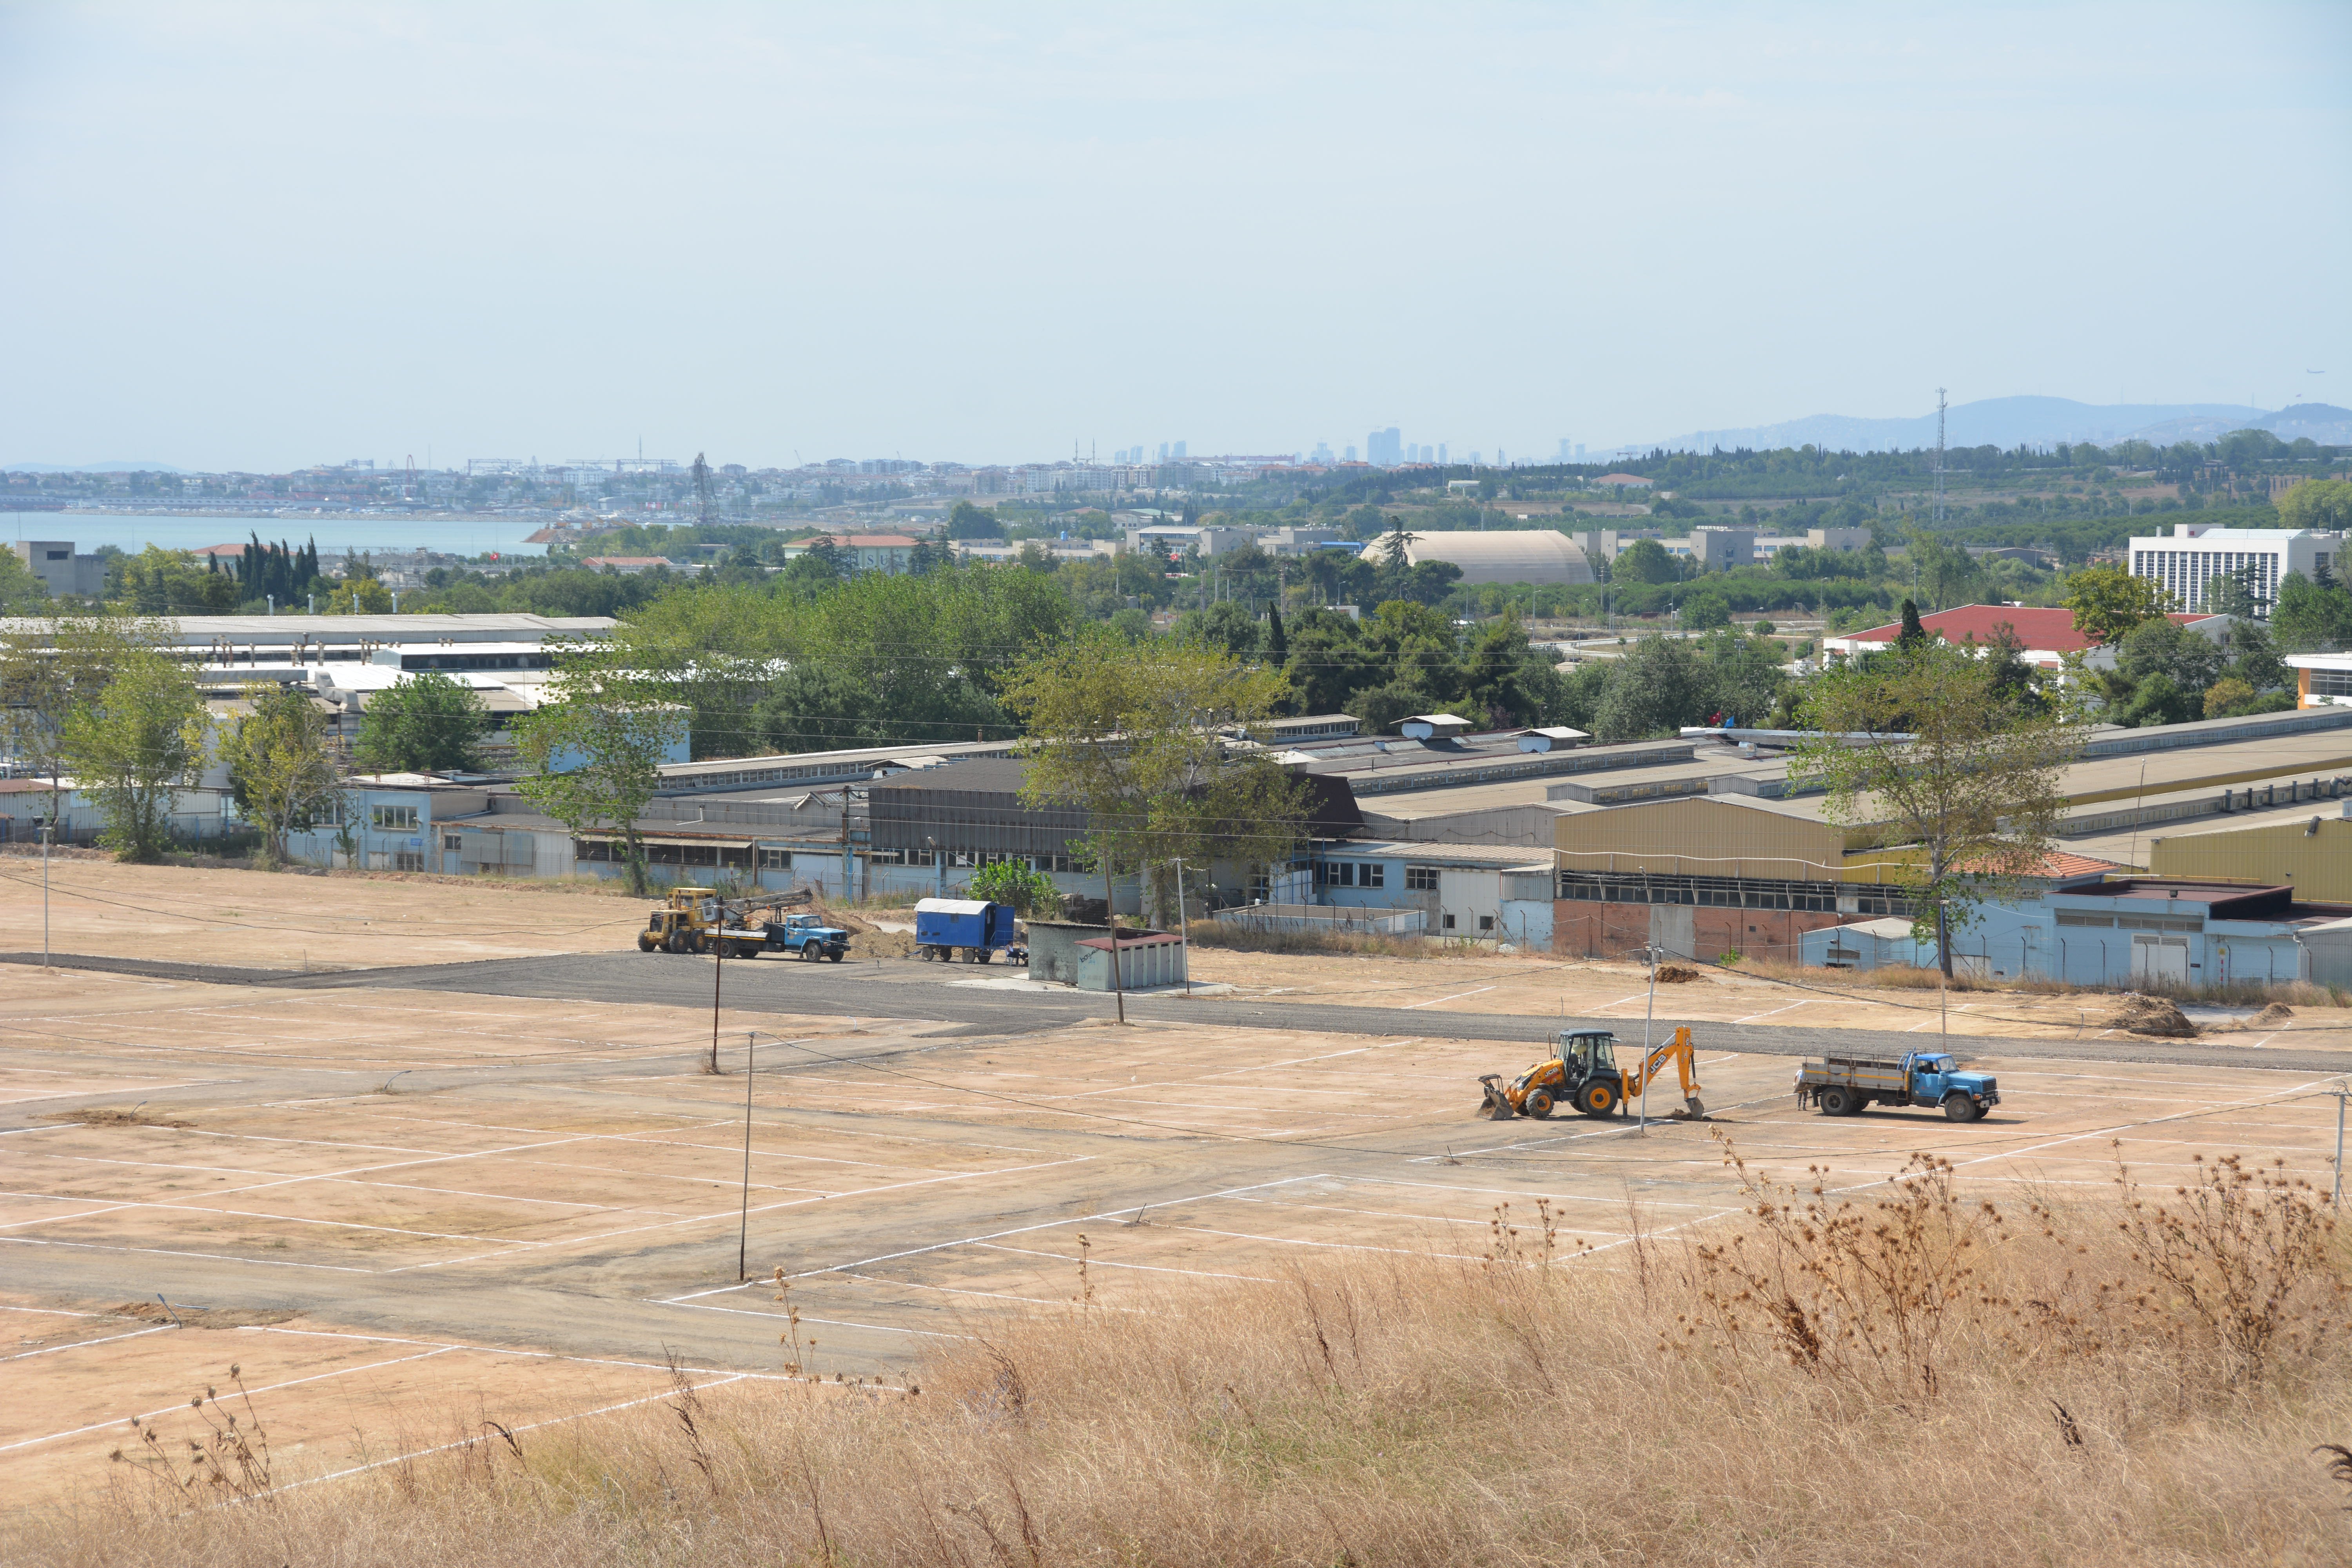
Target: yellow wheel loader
(1582, 1072)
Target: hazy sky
(269, 235)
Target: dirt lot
(407, 1213)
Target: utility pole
(717, 966)
(1649, 1014)
(2336, 1196)
(744, 1232)
(1184, 924)
(1938, 516)
(48, 833)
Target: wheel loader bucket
(1697, 1109)
(1496, 1106)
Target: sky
(261, 237)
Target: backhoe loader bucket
(1496, 1107)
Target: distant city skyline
(251, 236)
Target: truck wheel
(837, 954)
(1537, 1104)
(645, 941)
(1835, 1101)
(1960, 1108)
(808, 953)
(1597, 1099)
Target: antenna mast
(1938, 516)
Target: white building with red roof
(2044, 636)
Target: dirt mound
(2152, 1016)
(114, 1116)
(1676, 973)
(2274, 1017)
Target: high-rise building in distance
(1384, 448)
(1180, 451)
(1350, 457)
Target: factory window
(1449, 922)
(393, 818)
(408, 860)
(1421, 878)
(2331, 683)
(451, 841)
(1371, 876)
(1487, 922)
(780, 859)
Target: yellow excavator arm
(1678, 1050)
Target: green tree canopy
(1643, 560)
(281, 770)
(423, 724)
(135, 746)
(2317, 504)
(2108, 602)
(1958, 774)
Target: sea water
(335, 531)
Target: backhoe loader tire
(1960, 1108)
(646, 942)
(1537, 1104)
(675, 942)
(1597, 1099)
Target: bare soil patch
(2152, 1016)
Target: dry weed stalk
(1861, 1294)
(232, 1462)
(2246, 1251)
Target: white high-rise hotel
(2196, 554)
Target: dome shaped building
(1519, 555)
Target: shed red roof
(2036, 626)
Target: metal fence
(1326, 918)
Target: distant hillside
(2012, 421)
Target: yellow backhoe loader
(1582, 1071)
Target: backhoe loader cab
(1583, 1072)
(682, 924)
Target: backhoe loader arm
(1678, 1050)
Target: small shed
(1433, 727)
(1146, 958)
(1555, 737)
(1053, 948)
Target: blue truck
(972, 927)
(1847, 1086)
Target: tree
(360, 596)
(1396, 546)
(1947, 573)
(158, 581)
(1011, 882)
(1912, 632)
(595, 759)
(2108, 602)
(2234, 595)
(1961, 778)
(1705, 611)
(21, 592)
(968, 521)
(1643, 560)
(2317, 504)
(1136, 734)
(49, 671)
(2310, 617)
(1277, 643)
(280, 768)
(135, 746)
(1654, 688)
(423, 724)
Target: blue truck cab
(973, 927)
(1847, 1086)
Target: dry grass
(1902, 1374)
(2251, 993)
(113, 1116)
(1242, 939)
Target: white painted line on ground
(1144, 1267)
(992, 1236)
(183, 1404)
(826, 1322)
(1791, 1007)
(470, 1442)
(1435, 1000)
(175, 1252)
(109, 1339)
(1329, 1246)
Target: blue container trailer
(973, 927)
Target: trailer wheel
(1960, 1108)
(1537, 1104)
(983, 955)
(1835, 1100)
